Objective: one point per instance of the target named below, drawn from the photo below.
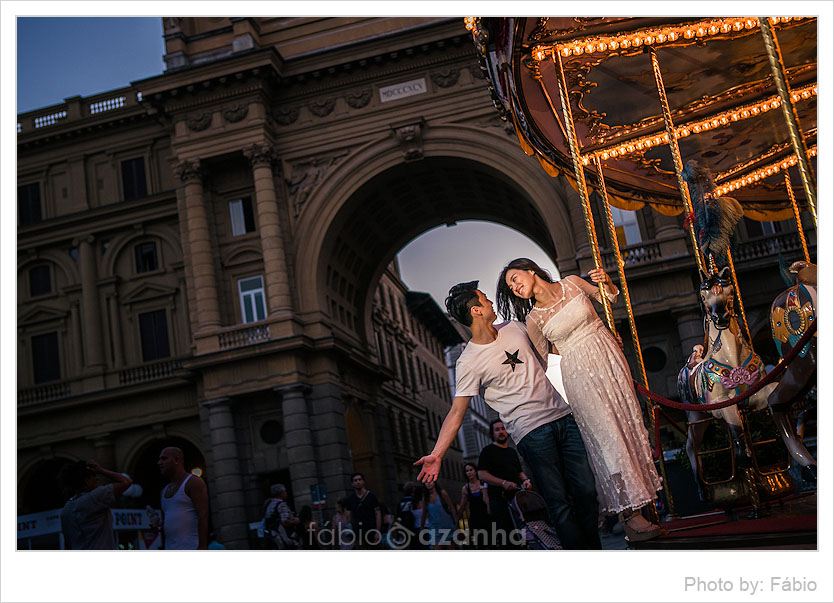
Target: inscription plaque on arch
(402, 90)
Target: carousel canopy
(722, 98)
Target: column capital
(302, 389)
(216, 403)
(260, 154)
(188, 170)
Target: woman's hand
(598, 275)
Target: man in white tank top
(184, 504)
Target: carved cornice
(235, 113)
(445, 78)
(198, 122)
(322, 108)
(358, 99)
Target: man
(501, 362)
(185, 511)
(279, 520)
(364, 513)
(86, 520)
(500, 468)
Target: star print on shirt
(512, 359)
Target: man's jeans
(556, 456)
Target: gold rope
(612, 231)
(676, 156)
(738, 296)
(583, 190)
(800, 147)
(801, 232)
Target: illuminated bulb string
(759, 174)
(700, 126)
(653, 36)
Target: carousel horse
(791, 313)
(726, 369)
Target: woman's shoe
(638, 528)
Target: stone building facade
(203, 258)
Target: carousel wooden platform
(790, 523)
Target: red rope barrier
(776, 371)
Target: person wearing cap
(501, 363)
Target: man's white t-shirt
(509, 375)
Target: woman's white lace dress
(600, 392)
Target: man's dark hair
(460, 300)
(492, 425)
(359, 473)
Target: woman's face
(470, 472)
(520, 283)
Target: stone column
(386, 454)
(91, 312)
(327, 418)
(115, 321)
(230, 511)
(690, 330)
(105, 452)
(78, 354)
(298, 438)
(269, 226)
(670, 236)
(200, 244)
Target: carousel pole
(676, 157)
(738, 295)
(583, 190)
(612, 231)
(800, 148)
(795, 207)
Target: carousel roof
(721, 93)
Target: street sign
(318, 492)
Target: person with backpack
(279, 520)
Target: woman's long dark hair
(512, 307)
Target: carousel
(715, 119)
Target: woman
(343, 536)
(596, 379)
(473, 495)
(308, 529)
(439, 514)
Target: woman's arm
(539, 341)
(448, 500)
(598, 275)
(485, 494)
(463, 499)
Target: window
(39, 281)
(625, 223)
(29, 204)
(133, 179)
(243, 220)
(153, 330)
(252, 302)
(45, 358)
(146, 258)
(760, 229)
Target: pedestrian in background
(86, 519)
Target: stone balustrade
(77, 108)
(243, 336)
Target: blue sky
(60, 57)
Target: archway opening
(405, 201)
(145, 471)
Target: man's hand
(509, 486)
(527, 484)
(93, 466)
(430, 468)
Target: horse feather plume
(715, 217)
